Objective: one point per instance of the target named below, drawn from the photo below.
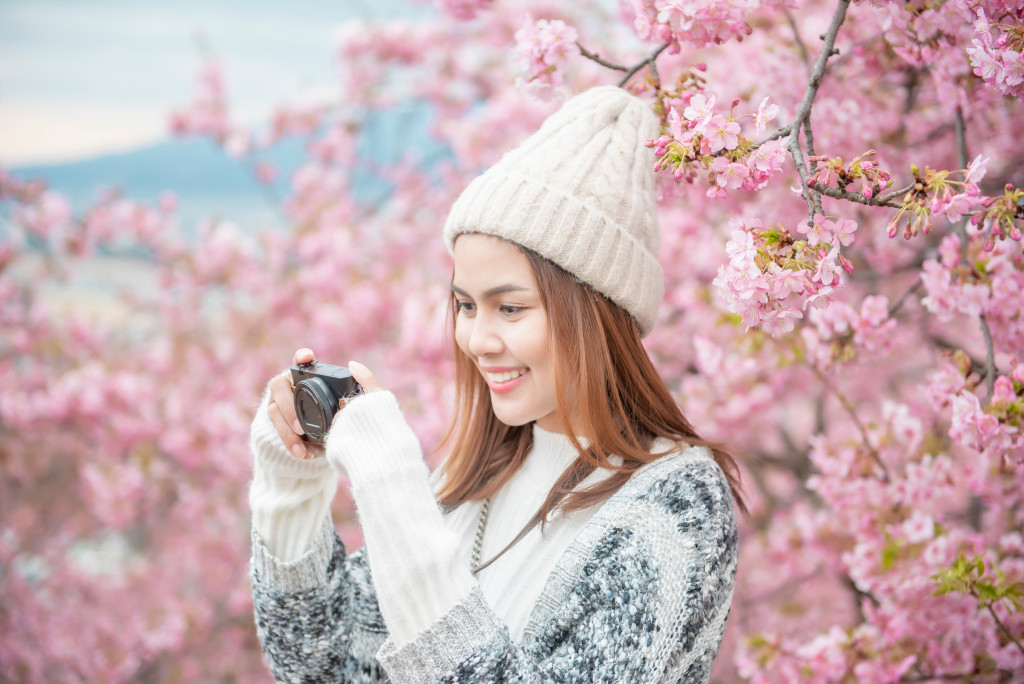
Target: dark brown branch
(649, 61)
(593, 56)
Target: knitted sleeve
(643, 597)
(317, 617)
(289, 497)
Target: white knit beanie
(580, 192)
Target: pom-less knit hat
(579, 192)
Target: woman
(579, 530)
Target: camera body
(318, 388)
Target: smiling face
(501, 325)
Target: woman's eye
(510, 310)
(464, 307)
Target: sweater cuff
(289, 497)
(370, 439)
(305, 572)
(270, 454)
(463, 632)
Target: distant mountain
(208, 182)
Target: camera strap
(579, 473)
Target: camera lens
(315, 407)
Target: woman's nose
(484, 340)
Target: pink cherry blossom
(720, 133)
(700, 108)
(764, 114)
(729, 174)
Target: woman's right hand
(281, 409)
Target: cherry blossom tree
(841, 212)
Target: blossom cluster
(463, 9)
(701, 139)
(773, 277)
(207, 114)
(997, 50)
(832, 172)
(937, 192)
(675, 22)
(542, 52)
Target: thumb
(364, 376)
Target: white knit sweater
(641, 593)
(290, 499)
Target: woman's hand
(281, 408)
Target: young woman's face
(502, 326)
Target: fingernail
(299, 451)
(297, 427)
(358, 366)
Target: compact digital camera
(318, 387)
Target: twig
(650, 60)
(848, 406)
(804, 55)
(781, 133)
(960, 131)
(801, 167)
(990, 358)
(1002, 627)
(819, 67)
(906, 295)
(961, 137)
(654, 72)
(594, 57)
(885, 200)
(804, 111)
(809, 136)
(882, 199)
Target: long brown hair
(606, 388)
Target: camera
(318, 387)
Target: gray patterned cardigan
(641, 595)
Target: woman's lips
(504, 380)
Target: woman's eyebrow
(494, 291)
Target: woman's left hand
(366, 379)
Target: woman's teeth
(505, 377)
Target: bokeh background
(189, 191)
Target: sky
(81, 79)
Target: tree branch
(885, 200)
(803, 112)
(593, 56)
(918, 284)
(819, 67)
(1002, 627)
(798, 157)
(990, 358)
(851, 411)
(648, 61)
(805, 56)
